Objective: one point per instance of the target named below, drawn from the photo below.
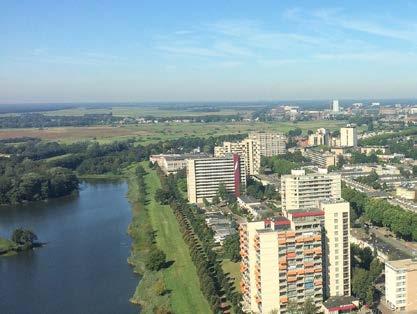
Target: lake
(83, 267)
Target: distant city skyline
(154, 51)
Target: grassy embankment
(7, 247)
(180, 278)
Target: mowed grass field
(181, 277)
(133, 111)
(234, 271)
(155, 132)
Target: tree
(292, 307)
(215, 200)
(309, 307)
(156, 260)
(222, 192)
(375, 269)
(24, 237)
(231, 246)
(360, 283)
(370, 295)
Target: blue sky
(81, 51)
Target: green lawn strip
(234, 270)
(181, 277)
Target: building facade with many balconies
(205, 175)
(301, 190)
(282, 262)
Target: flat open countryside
(148, 133)
(140, 111)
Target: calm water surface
(83, 268)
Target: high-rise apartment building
(336, 247)
(252, 148)
(349, 136)
(400, 285)
(301, 190)
(270, 144)
(321, 137)
(247, 149)
(205, 175)
(282, 262)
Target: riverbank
(183, 294)
(8, 247)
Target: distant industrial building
(335, 106)
(205, 175)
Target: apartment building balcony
(318, 251)
(282, 235)
(243, 267)
(282, 241)
(283, 299)
(309, 251)
(318, 282)
(292, 279)
(292, 272)
(291, 255)
(308, 264)
(244, 288)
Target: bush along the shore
(146, 258)
(215, 285)
(21, 240)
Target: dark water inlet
(83, 267)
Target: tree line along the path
(381, 213)
(216, 286)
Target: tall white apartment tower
(335, 106)
(300, 190)
(336, 247)
(349, 136)
(205, 175)
(282, 262)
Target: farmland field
(145, 111)
(155, 132)
(147, 133)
